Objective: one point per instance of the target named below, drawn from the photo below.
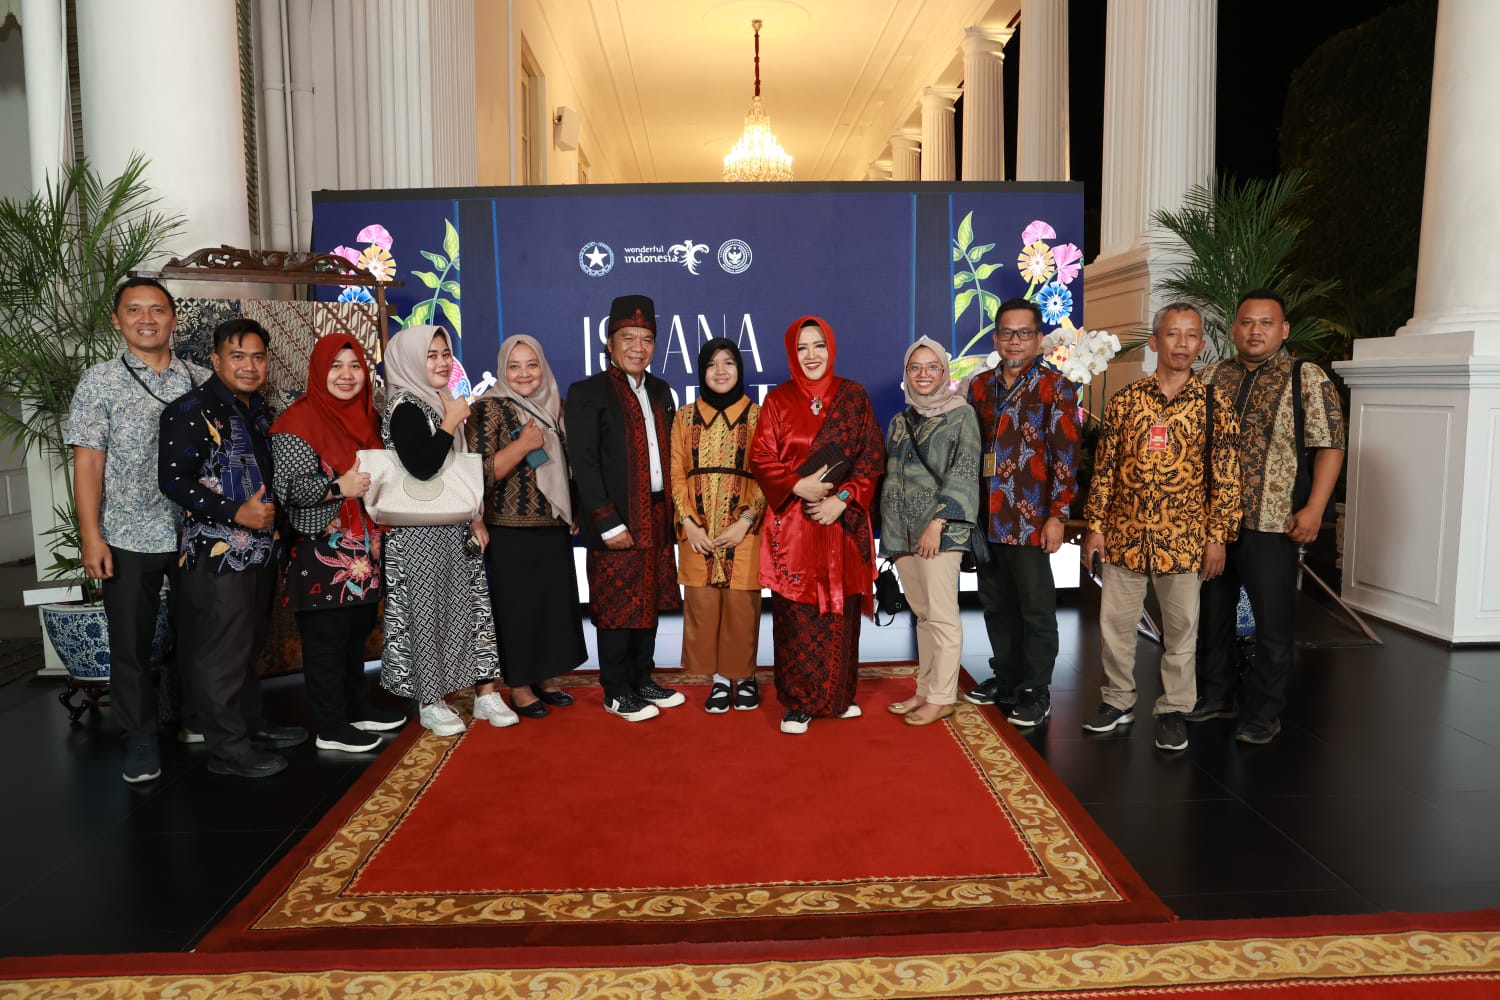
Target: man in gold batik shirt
(1164, 502)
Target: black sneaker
(659, 696)
(1033, 709)
(631, 708)
(719, 698)
(1258, 733)
(251, 764)
(1107, 718)
(142, 763)
(370, 719)
(984, 694)
(278, 737)
(1171, 732)
(746, 695)
(347, 738)
(795, 723)
(1204, 712)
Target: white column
(1422, 546)
(906, 155)
(192, 132)
(1042, 152)
(984, 105)
(275, 154)
(937, 133)
(878, 170)
(48, 119)
(455, 156)
(1159, 77)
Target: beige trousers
(931, 588)
(1120, 606)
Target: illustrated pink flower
(1069, 261)
(1038, 230)
(348, 253)
(376, 234)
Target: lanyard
(142, 382)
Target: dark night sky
(1260, 44)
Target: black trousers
(132, 601)
(1019, 598)
(626, 658)
(231, 618)
(1266, 564)
(333, 659)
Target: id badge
(1157, 441)
(989, 464)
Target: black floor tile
(1210, 846)
(1438, 898)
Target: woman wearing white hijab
(928, 507)
(518, 431)
(439, 636)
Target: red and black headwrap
(632, 310)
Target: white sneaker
(493, 709)
(852, 712)
(441, 720)
(795, 723)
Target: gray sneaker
(142, 763)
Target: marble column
(984, 105)
(48, 119)
(1160, 69)
(937, 133)
(1421, 546)
(1042, 152)
(187, 123)
(906, 155)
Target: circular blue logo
(734, 256)
(596, 259)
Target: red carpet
(1385, 957)
(583, 829)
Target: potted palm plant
(62, 253)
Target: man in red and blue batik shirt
(1028, 427)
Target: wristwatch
(844, 495)
(335, 490)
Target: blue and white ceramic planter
(80, 634)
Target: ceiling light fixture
(757, 156)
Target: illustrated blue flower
(1056, 302)
(356, 293)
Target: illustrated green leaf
(421, 314)
(426, 277)
(451, 311)
(958, 255)
(961, 302)
(962, 278)
(451, 287)
(437, 260)
(966, 232)
(977, 252)
(989, 302)
(450, 241)
(985, 270)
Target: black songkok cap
(632, 310)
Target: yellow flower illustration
(378, 261)
(1035, 262)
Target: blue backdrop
(883, 263)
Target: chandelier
(757, 156)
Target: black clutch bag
(833, 457)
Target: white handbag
(398, 499)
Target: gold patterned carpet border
(1456, 964)
(1067, 871)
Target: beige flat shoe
(943, 712)
(904, 707)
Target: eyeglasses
(931, 369)
(1022, 332)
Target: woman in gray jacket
(928, 507)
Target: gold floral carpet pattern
(1455, 963)
(1062, 870)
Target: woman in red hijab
(333, 583)
(817, 454)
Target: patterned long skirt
(439, 632)
(817, 656)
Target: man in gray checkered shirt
(128, 530)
